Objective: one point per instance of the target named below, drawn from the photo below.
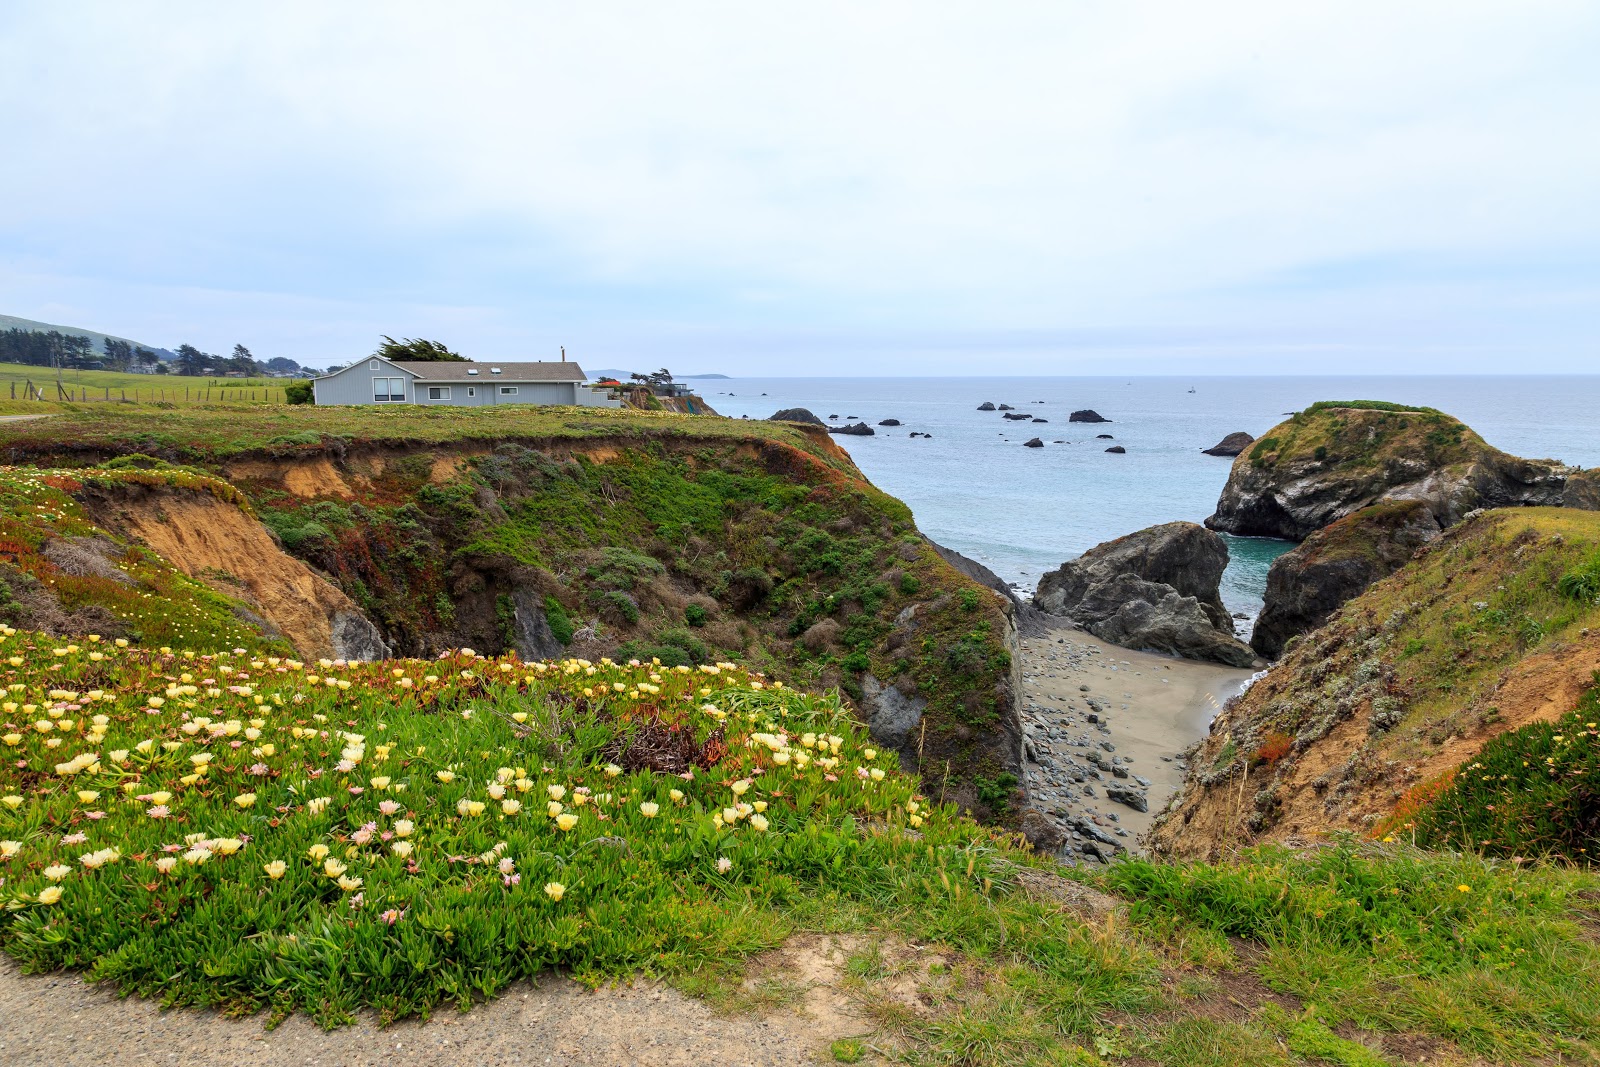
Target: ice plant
(554, 890)
(275, 869)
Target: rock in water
(986, 406)
(1230, 445)
(889, 422)
(1087, 415)
(1104, 437)
(1005, 407)
(1155, 589)
(1017, 415)
(855, 429)
(1117, 450)
(1334, 459)
(1337, 563)
(1033, 443)
(796, 415)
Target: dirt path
(59, 1021)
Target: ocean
(1023, 511)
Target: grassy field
(102, 385)
(259, 834)
(218, 431)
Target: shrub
(559, 621)
(910, 584)
(1534, 791)
(622, 568)
(299, 393)
(696, 615)
(673, 647)
(1582, 584)
(968, 599)
(617, 604)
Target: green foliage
(696, 615)
(623, 568)
(1534, 791)
(847, 1050)
(417, 350)
(616, 604)
(910, 585)
(1582, 583)
(560, 623)
(300, 393)
(996, 792)
(969, 599)
(674, 647)
(1366, 405)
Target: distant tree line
(71, 351)
(52, 348)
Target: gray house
(375, 380)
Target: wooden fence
(190, 394)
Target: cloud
(753, 175)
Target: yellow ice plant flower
(1463, 889)
(50, 894)
(229, 845)
(244, 800)
(676, 795)
(11, 801)
(56, 872)
(741, 787)
(349, 884)
(333, 868)
(566, 821)
(511, 807)
(758, 821)
(556, 791)
(12, 740)
(469, 808)
(403, 827)
(380, 783)
(445, 776)
(401, 848)
(275, 869)
(317, 851)
(554, 890)
(649, 809)
(612, 770)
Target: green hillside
(8, 322)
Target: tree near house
(417, 350)
(655, 379)
(192, 361)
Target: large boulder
(1312, 581)
(1087, 415)
(1155, 589)
(1230, 445)
(1334, 459)
(855, 429)
(797, 415)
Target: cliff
(1482, 633)
(1337, 457)
(607, 534)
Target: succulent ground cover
(247, 831)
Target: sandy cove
(1104, 729)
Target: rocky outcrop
(1230, 445)
(796, 415)
(1019, 416)
(1029, 621)
(986, 406)
(1033, 442)
(1156, 589)
(1332, 460)
(1335, 564)
(1117, 450)
(1087, 415)
(534, 640)
(855, 429)
(889, 422)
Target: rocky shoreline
(1104, 732)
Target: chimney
(563, 353)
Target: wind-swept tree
(417, 350)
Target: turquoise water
(1023, 511)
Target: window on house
(438, 392)
(508, 390)
(472, 390)
(388, 389)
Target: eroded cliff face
(1307, 584)
(1471, 638)
(1331, 460)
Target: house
(376, 380)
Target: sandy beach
(1105, 727)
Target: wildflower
(401, 848)
(612, 770)
(349, 884)
(9, 849)
(724, 865)
(676, 795)
(759, 822)
(393, 915)
(403, 827)
(869, 754)
(56, 872)
(1463, 889)
(197, 855)
(317, 852)
(510, 807)
(566, 821)
(741, 787)
(877, 774)
(556, 791)
(467, 808)
(11, 801)
(333, 868)
(50, 894)
(12, 740)
(554, 890)
(380, 783)
(244, 800)
(496, 790)
(649, 809)
(445, 776)
(166, 863)
(388, 807)
(275, 869)
(507, 865)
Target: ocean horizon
(1023, 511)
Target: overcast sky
(821, 188)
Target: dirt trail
(59, 1021)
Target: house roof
(509, 372)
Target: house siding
(354, 385)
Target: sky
(926, 188)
